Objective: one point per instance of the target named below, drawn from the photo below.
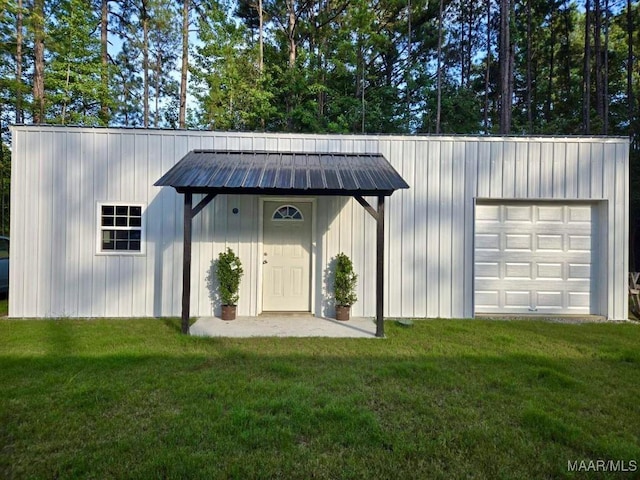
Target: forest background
(514, 67)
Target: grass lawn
(439, 399)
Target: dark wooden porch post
(380, 269)
(186, 262)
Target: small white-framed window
(120, 228)
(287, 212)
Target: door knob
(264, 262)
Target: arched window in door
(287, 212)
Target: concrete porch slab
(285, 325)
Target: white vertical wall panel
(60, 174)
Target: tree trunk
(630, 99)
(38, 66)
(605, 73)
(408, 67)
(260, 38)
(586, 74)
(104, 56)
(505, 67)
(184, 68)
(145, 62)
(439, 72)
(291, 32)
(552, 66)
(157, 87)
(469, 60)
(597, 47)
(487, 70)
(19, 39)
(462, 46)
(529, 72)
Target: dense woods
(393, 66)
(344, 66)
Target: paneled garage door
(534, 258)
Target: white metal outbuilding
(489, 225)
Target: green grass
(437, 399)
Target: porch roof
(250, 172)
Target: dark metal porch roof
(206, 171)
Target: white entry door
(286, 258)
(534, 258)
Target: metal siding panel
(508, 169)
(623, 170)
(19, 147)
(284, 144)
(433, 230)
(321, 260)
(445, 277)
(321, 145)
(596, 154)
(533, 170)
(497, 164)
(259, 143)
(140, 181)
(249, 249)
(297, 144)
(458, 231)
(233, 143)
(571, 170)
(420, 206)
(584, 170)
(86, 238)
(125, 288)
(59, 240)
(546, 170)
(358, 253)
(102, 145)
(470, 192)
(559, 171)
(521, 169)
(308, 145)
(41, 292)
(206, 144)
(609, 187)
(153, 228)
(27, 261)
(484, 170)
(408, 227)
(345, 229)
(621, 234)
(168, 237)
(394, 243)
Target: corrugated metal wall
(59, 174)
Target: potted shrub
(229, 272)
(344, 286)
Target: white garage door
(534, 258)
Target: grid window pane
(121, 228)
